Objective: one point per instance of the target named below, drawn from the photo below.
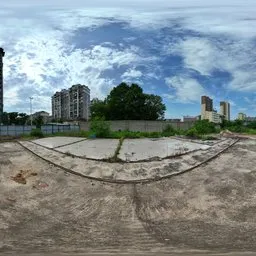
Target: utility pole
(2, 53)
(31, 118)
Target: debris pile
(227, 133)
(22, 176)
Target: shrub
(252, 125)
(204, 127)
(168, 131)
(37, 133)
(209, 138)
(192, 132)
(100, 128)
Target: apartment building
(225, 110)
(207, 111)
(72, 103)
(2, 53)
(213, 116)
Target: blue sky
(178, 50)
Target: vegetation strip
(140, 181)
(115, 157)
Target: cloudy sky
(179, 49)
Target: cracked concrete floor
(210, 210)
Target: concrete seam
(140, 181)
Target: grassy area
(202, 129)
(251, 132)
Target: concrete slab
(53, 142)
(95, 149)
(208, 211)
(130, 171)
(146, 149)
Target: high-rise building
(225, 110)
(241, 116)
(206, 106)
(72, 103)
(206, 103)
(207, 111)
(2, 53)
(56, 105)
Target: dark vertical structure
(1, 84)
(207, 102)
(225, 109)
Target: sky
(179, 49)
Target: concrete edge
(139, 181)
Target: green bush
(204, 127)
(252, 131)
(251, 125)
(192, 132)
(100, 128)
(168, 131)
(37, 133)
(209, 138)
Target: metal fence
(17, 130)
(51, 128)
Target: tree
(22, 118)
(128, 102)
(13, 117)
(154, 107)
(38, 121)
(5, 118)
(98, 109)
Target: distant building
(225, 110)
(176, 120)
(190, 118)
(72, 103)
(56, 106)
(207, 111)
(241, 116)
(250, 119)
(2, 53)
(45, 115)
(206, 104)
(213, 116)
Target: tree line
(128, 102)
(16, 118)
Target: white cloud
(207, 55)
(232, 103)
(132, 73)
(44, 29)
(11, 97)
(187, 90)
(49, 64)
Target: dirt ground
(210, 210)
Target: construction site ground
(51, 204)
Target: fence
(141, 126)
(52, 128)
(17, 130)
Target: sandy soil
(210, 210)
